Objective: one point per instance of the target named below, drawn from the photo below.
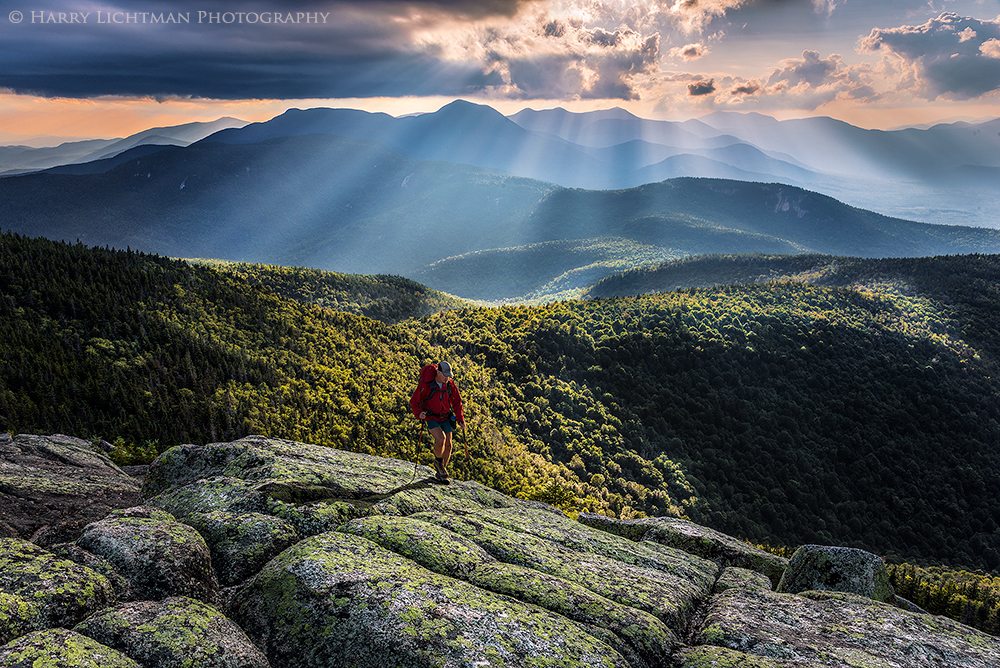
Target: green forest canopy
(783, 412)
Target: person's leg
(439, 439)
(446, 449)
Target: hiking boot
(439, 470)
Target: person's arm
(456, 403)
(417, 402)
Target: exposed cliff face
(329, 558)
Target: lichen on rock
(329, 472)
(353, 603)
(706, 656)
(637, 635)
(177, 631)
(741, 578)
(242, 544)
(694, 539)
(841, 630)
(60, 648)
(18, 616)
(65, 592)
(843, 569)
(668, 596)
(156, 554)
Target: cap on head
(445, 368)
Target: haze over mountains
(540, 204)
(20, 159)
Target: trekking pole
(416, 457)
(465, 442)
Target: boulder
(176, 631)
(841, 569)
(353, 603)
(155, 553)
(63, 591)
(318, 472)
(741, 578)
(59, 648)
(242, 544)
(51, 486)
(841, 630)
(638, 636)
(636, 581)
(694, 539)
(77, 554)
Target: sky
(88, 68)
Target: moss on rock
(59, 648)
(177, 631)
(353, 603)
(65, 592)
(157, 555)
(842, 630)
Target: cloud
(947, 56)
(695, 15)
(827, 7)
(357, 52)
(690, 52)
(699, 88)
(990, 48)
(814, 80)
(748, 88)
(810, 69)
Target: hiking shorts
(447, 426)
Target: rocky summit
(264, 552)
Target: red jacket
(440, 403)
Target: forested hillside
(785, 413)
(155, 352)
(799, 413)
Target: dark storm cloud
(362, 50)
(701, 87)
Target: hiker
(437, 401)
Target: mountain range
(536, 205)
